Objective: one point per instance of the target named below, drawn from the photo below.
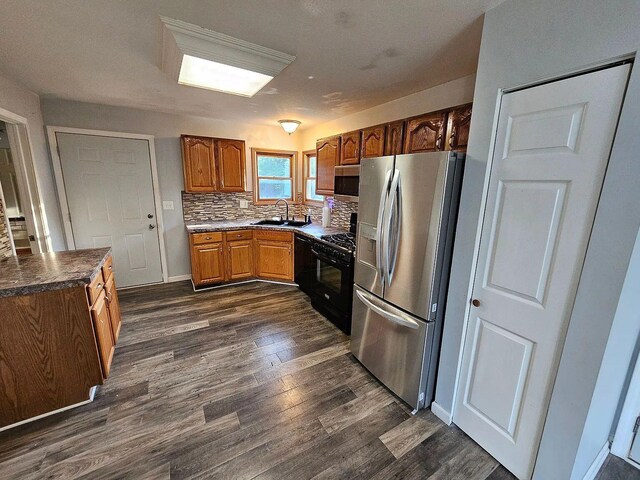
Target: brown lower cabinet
(55, 346)
(240, 255)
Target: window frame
(305, 176)
(292, 155)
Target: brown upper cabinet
(394, 138)
(350, 149)
(373, 141)
(231, 163)
(458, 128)
(328, 156)
(199, 166)
(213, 164)
(425, 133)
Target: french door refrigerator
(406, 222)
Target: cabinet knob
(475, 302)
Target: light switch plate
(167, 205)
(244, 203)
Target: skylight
(202, 58)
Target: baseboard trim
(92, 392)
(179, 278)
(441, 413)
(597, 463)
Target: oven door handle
(331, 261)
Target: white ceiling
(360, 53)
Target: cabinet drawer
(239, 235)
(107, 269)
(273, 235)
(209, 237)
(95, 288)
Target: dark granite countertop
(23, 275)
(313, 230)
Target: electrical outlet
(244, 203)
(167, 205)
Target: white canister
(326, 215)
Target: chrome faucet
(287, 208)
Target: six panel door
(231, 162)
(373, 141)
(109, 190)
(551, 152)
(199, 164)
(425, 133)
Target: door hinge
(636, 425)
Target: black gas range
(324, 271)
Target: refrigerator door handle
(395, 195)
(369, 301)
(379, 230)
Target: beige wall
(446, 95)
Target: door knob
(151, 226)
(475, 302)
(150, 215)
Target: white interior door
(552, 146)
(109, 191)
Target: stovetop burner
(345, 240)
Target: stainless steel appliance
(406, 222)
(324, 271)
(346, 183)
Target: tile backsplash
(226, 206)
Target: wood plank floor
(241, 382)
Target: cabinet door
(373, 141)
(240, 259)
(458, 128)
(425, 133)
(350, 149)
(113, 305)
(207, 263)
(328, 156)
(394, 138)
(274, 260)
(199, 164)
(231, 165)
(104, 335)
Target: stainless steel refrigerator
(406, 224)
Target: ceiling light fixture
(289, 126)
(203, 58)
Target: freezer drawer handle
(405, 322)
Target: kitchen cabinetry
(239, 258)
(350, 148)
(373, 141)
(274, 255)
(425, 133)
(328, 156)
(58, 337)
(198, 159)
(394, 138)
(231, 162)
(240, 255)
(213, 164)
(458, 128)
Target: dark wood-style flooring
(242, 382)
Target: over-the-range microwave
(345, 186)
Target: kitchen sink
(285, 223)
(269, 222)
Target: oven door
(334, 283)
